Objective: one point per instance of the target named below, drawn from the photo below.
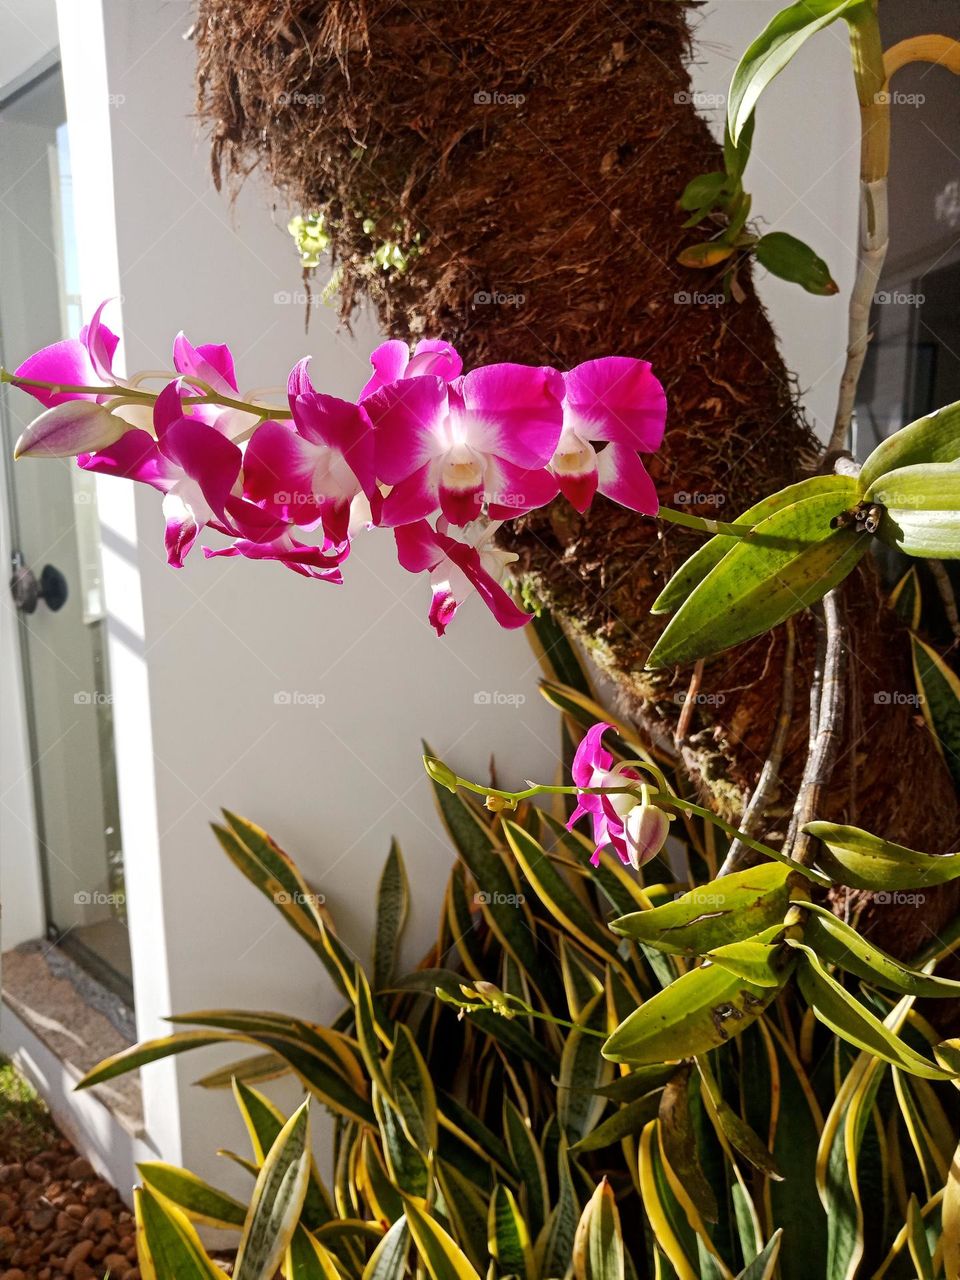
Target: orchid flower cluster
(438, 456)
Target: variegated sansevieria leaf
(764, 1265)
(920, 509)
(508, 1236)
(906, 598)
(838, 943)
(773, 49)
(934, 438)
(583, 1070)
(167, 1243)
(198, 1200)
(864, 861)
(788, 561)
(848, 1018)
(277, 1200)
(731, 909)
(393, 897)
(674, 1234)
(598, 1245)
(693, 570)
(939, 690)
(308, 1259)
(438, 1252)
(702, 1009)
(389, 1260)
(950, 1217)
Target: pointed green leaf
(171, 1244)
(582, 1071)
(731, 909)
(598, 1247)
(528, 1158)
(439, 1253)
(392, 903)
(277, 1200)
(764, 1265)
(562, 1225)
(785, 256)
(906, 597)
(787, 562)
(508, 1235)
(934, 438)
(864, 861)
(389, 1259)
(198, 1200)
(921, 509)
(679, 1142)
(940, 700)
(693, 571)
(307, 1259)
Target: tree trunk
(528, 161)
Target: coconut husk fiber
(532, 156)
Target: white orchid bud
(76, 426)
(645, 830)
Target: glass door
(55, 574)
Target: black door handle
(27, 591)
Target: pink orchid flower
(193, 465)
(392, 361)
(616, 401)
(459, 568)
(635, 829)
(308, 471)
(487, 436)
(76, 362)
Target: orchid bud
(75, 426)
(645, 829)
(440, 773)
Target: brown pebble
(41, 1219)
(79, 1169)
(117, 1265)
(79, 1253)
(13, 1274)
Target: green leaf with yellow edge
(583, 1070)
(731, 909)
(850, 1020)
(951, 1220)
(773, 49)
(393, 899)
(863, 861)
(256, 1068)
(466, 1211)
(752, 958)
(672, 1232)
(733, 1127)
(406, 1067)
(785, 256)
(508, 1235)
(147, 1051)
(528, 1159)
(278, 1198)
(702, 1009)
(556, 1248)
(626, 1122)
(764, 1265)
(693, 570)
(167, 1244)
(917, 1242)
(389, 1260)
(940, 699)
(307, 1259)
(598, 1245)
(933, 438)
(198, 1200)
(921, 515)
(679, 1143)
(438, 1252)
(788, 561)
(907, 599)
(837, 942)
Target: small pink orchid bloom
(309, 471)
(616, 401)
(392, 361)
(458, 569)
(86, 361)
(192, 464)
(635, 829)
(487, 436)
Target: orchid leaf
(695, 569)
(730, 909)
(773, 49)
(785, 256)
(626, 1122)
(863, 861)
(921, 509)
(788, 561)
(934, 438)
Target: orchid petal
(513, 491)
(210, 363)
(616, 398)
(513, 411)
(389, 362)
(101, 344)
(411, 499)
(341, 426)
(66, 364)
(408, 419)
(623, 478)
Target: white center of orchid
(461, 468)
(574, 456)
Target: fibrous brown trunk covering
(531, 155)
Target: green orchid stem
(705, 526)
(663, 798)
(130, 395)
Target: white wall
(197, 671)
